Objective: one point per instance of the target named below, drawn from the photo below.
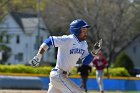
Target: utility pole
(38, 16)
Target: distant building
(22, 37)
(133, 51)
(135, 1)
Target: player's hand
(108, 75)
(35, 61)
(97, 47)
(79, 73)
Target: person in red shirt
(100, 63)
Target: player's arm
(106, 62)
(97, 47)
(44, 47)
(88, 59)
(90, 68)
(79, 70)
(107, 67)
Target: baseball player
(71, 48)
(100, 63)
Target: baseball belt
(63, 72)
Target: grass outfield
(44, 91)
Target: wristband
(39, 55)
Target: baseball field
(44, 91)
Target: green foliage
(23, 5)
(46, 70)
(112, 72)
(117, 72)
(2, 34)
(124, 61)
(6, 53)
(24, 69)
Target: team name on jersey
(77, 51)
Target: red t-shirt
(100, 64)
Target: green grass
(115, 92)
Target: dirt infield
(22, 91)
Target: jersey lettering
(99, 63)
(77, 51)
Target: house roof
(21, 19)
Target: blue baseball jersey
(70, 49)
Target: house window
(19, 56)
(7, 39)
(4, 39)
(17, 39)
(1, 38)
(134, 49)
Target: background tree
(123, 60)
(115, 21)
(5, 50)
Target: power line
(16, 27)
(3, 29)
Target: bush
(46, 70)
(112, 72)
(117, 72)
(6, 53)
(24, 69)
(124, 61)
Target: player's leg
(63, 84)
(85, 82)
(73, 88)
(99, 76)
(55, 85)
(82, 83)
(53, 90)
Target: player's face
(83, 34)
(100, 55)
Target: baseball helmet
(76, 25)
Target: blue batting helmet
(76, 25)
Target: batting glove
(35, 61)
(97, 47)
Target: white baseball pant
(99, 77)
(59, 83)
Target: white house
(133, 51)
(22, 37)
